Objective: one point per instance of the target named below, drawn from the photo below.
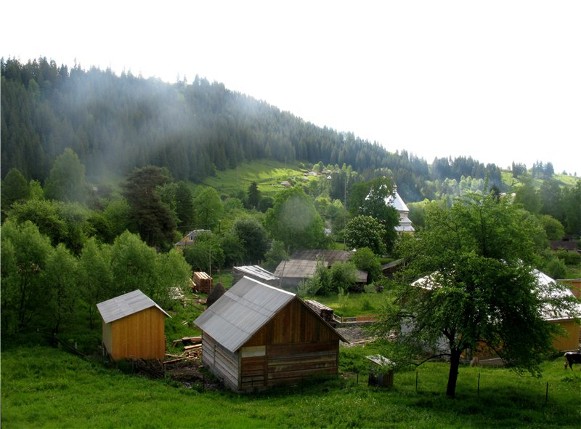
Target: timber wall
(137, 336)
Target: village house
(256, 336)
(303, 264)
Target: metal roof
(126, 305)
(296, 268)
(241, 312)
(257, 271)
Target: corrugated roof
(241, 312)
(126, 305)
(296, 268)
(257, 271)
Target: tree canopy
(475, 261)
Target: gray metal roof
(257, 271)
(126, 305)
(296, 268)
(241, 312)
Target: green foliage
(294, 220)
(25, 254)
(66, 181)
(14, 188)
(481, 287)
(208, 207)
(61, 295)
(275, 255)
(253, 237)
(365, 260)
(206, 254)
(365, 231)
(556, 268)
(253, 196)
(149, 216)
(184, 207)
(553, 228)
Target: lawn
(44, 387)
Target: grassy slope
(43, 387)
(267, 174)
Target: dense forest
(116, 123)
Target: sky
(499, 81)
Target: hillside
(116, 123)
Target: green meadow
(45, 387)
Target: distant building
(405, 224)
(190, 238)
(303, 264)
(257, 273)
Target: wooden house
(303, 264)
(257, 336)
(133, 327)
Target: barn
(133, 327)
(258, 336)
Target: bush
(556, 268)
(569, 258)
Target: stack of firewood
(192, 350)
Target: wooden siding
(222, 363)
(137, 336)
(294, 324)
(571, 339)
(298, 345)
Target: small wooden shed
(133, 327)
(257, 336)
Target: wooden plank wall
(223, 363)
(298, 345)
(139, 336)
(572, 337)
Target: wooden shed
(257, 336)
(133, 327)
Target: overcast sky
(496, 80)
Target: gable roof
(242, 311)
(303, 263)
(257, 271)
(126, 305)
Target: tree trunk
(453, 374)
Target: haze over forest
(116, 123)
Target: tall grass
(46, 387)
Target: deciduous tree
(479, 286)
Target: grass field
(48, 388)
(268, 175)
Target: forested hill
(115, 123)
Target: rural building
(570, 340)
(405, 224)
(133, 327)
(258, 336)
(190, 238)
(303, 264)
(257, 273)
